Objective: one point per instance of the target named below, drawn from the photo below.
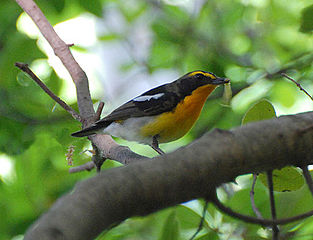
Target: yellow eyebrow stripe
(203, 73)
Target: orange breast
(173, 125)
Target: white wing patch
(148, 97)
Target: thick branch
(144, 187)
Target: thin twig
(99, 111)
(308, 178)
(254, 220)
(24, 67)
(85, 167)
(298, 85)
(202, 220)
(275, 229)
(254, 208)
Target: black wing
(153, 102)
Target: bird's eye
(199, 76)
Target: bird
(160, 115)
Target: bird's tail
(91, 130)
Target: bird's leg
(155, 145)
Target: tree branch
(298, 85)
(84, 167)
(275, 230)
(205, 208)
(61, 49)
(106, 145)
(145, 187)
(254, 207)
(99, 111)
(308, 178)
(254, 220)
(24, 67)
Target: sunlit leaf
(171, 228)
(109, 37)
(284, 92)
(260, 111)
(286, 179)
(189, 216)
(79, 49)
(208, 236)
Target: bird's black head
(204, 78)
(191, 81)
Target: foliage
(288, 178)
(246, 41)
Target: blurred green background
(127, 47)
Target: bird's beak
(219, 81)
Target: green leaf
(131, 10)
(189, 216)
(162, 55)
(58, 5)
(23, 79)
(208, 236)
(170, 229)
(307, 19)
(110, 37)
(79, 49)
(93, 6)
(260, 111)
(285, 93)
(241, 201)
(286, 179)
(54, 83)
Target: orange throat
(175, 124)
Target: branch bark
(61, 50)
(146, 186)
(141, 188)
(104, 143)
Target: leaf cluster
(250, 42)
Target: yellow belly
(173, 125)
